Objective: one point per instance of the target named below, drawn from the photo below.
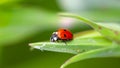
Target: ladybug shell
(64, 34)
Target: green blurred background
(27, 21)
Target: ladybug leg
(58, 39)
(65, 41)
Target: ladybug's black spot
(64, 30)
(65, 35)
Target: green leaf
(113, 51)
(108, 32)
(84, 41)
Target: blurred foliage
(26, 21)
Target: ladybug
(61, 34)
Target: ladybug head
(54, 37)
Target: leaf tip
(37, 46)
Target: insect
(61, 34)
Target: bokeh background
(27, 21)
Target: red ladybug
(61, 34)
